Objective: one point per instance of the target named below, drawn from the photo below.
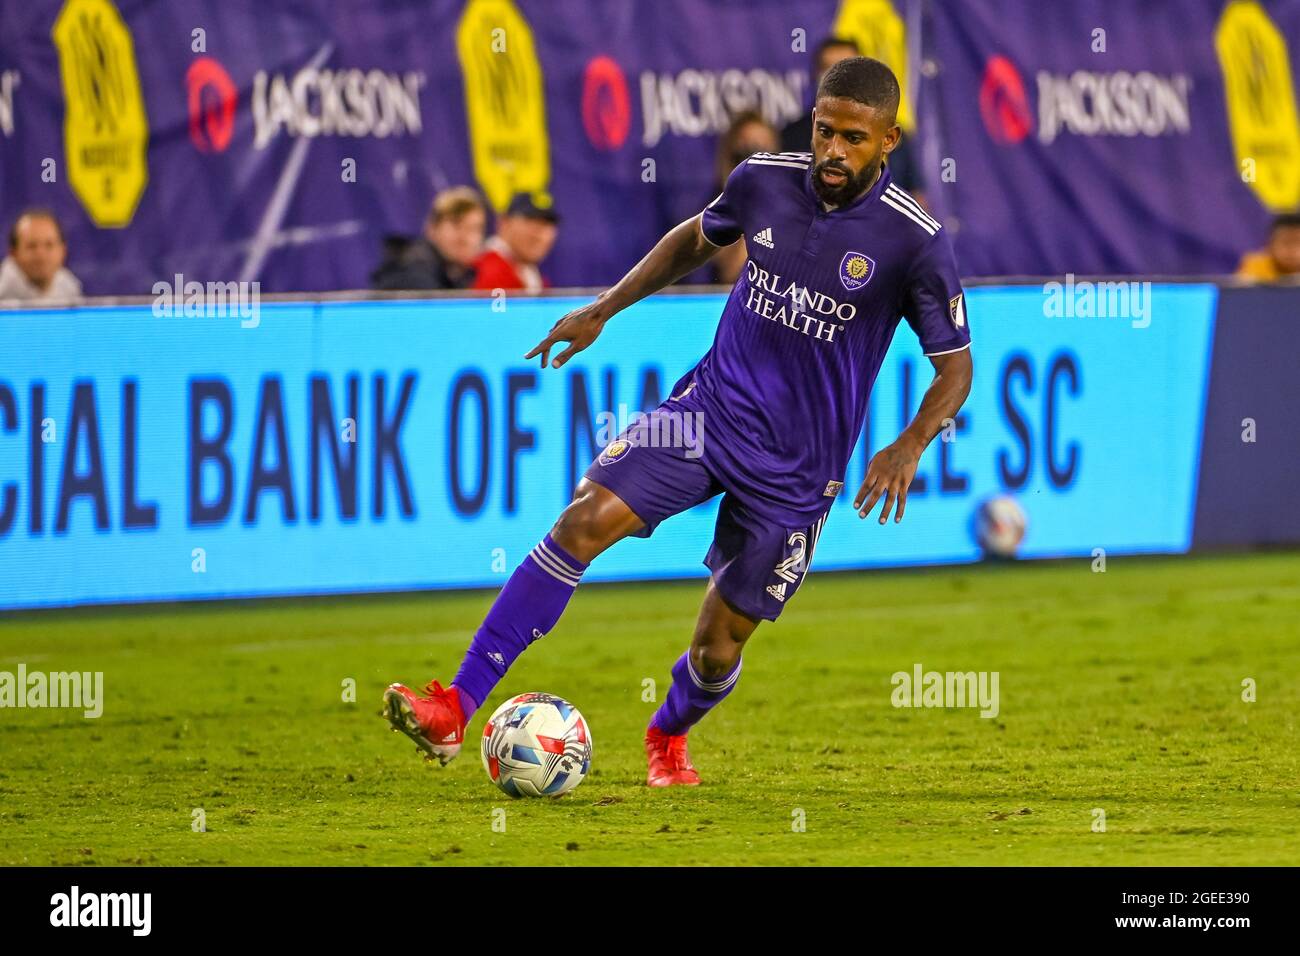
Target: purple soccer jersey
(783, 389)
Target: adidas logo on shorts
(777, 591)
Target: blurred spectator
(34, 268)
(797, 136)
(524, 237)
(1280, 259)
(444, 257)
(748, 134)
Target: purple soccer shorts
(757, 564)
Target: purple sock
(691, 696)
(526, 609)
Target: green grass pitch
(1120, 692)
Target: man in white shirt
(34, 269)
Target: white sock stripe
(714, 687)
(545, 564)
(916, 207)
(559, 569)
(560, 559)
(727, 684)
(554, 574)
(889, 201)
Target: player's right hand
(579, 328)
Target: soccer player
(837, 255)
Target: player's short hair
(453, 204)
(35, 212)
(864, 80)
(1286, 220)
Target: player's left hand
(579, 328)
(889, 475)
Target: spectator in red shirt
(524, 237)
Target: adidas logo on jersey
(764, 238)
(777, 591)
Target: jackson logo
(211, 98)
(1084, 103)
(856, 270)
(347, 102)
(614, 451)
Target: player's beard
(852, 187)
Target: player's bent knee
(595, 519)
(715, 659)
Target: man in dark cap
(524, 237)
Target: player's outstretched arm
(683, 250)
(892, 468)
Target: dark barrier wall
(1249, 490)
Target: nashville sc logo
(802, 309)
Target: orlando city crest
(614, 451)
(856, 270)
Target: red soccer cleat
(669, 762)
(435, 722)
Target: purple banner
(281, 141)
(1110, 137)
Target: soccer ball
(1000, 526)
(536, 745)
